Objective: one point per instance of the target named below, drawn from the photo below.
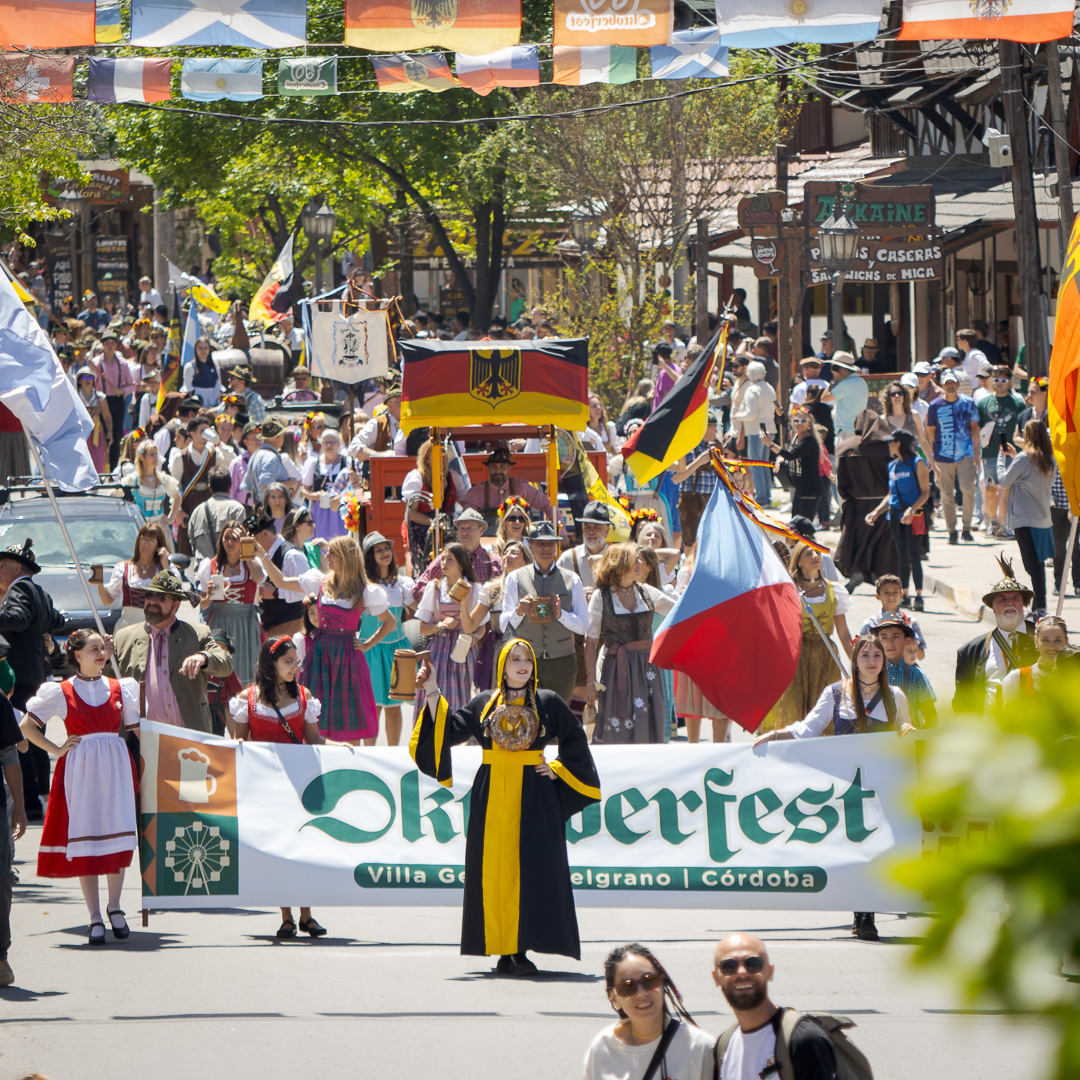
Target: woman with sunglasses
(513, 525)
(803, 458)
(900, 414)
(277, 709)
(228, 603)
(653, 1024)
(311, 440)
(518, 894)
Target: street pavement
(387, 992)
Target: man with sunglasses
(748, 1050)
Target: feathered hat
(1007, 584)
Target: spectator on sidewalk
(952, 426)
(998, 417)
(971, 357)
(848, 394)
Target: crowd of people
(300, 610)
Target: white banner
(807, 824)
(349, 348)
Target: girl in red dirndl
(90, 825)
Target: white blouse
(662, 602)
(238, 574)
(820, 716)
(397, 592)
(375, 598)
(49, 702)
(238, 708)
(299, 639)
(843, 597)
(428, 610)
(115, 584)
(315, 466)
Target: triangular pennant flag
(579, 65)
(401, 74)
(692, 54)
(252, 24)
(516, 66)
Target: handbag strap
(284, 723)
(661, 1050)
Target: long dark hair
(673, 1001)
(221, 556)
(151, 528)
(464, 561)
(887, 698)
(372, 568)
(1037, 443)
(266, 677)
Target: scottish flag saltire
(692, 54)
(764, 24)
(737, 628)
(34, 387)
(252, 24)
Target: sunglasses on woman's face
(629, 987)
(896, 393)
(519, 520)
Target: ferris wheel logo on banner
(350, 348)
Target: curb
(963, 600)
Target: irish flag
(1011, 20)
(579, 65)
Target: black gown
(518, 895)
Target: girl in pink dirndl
(90, 825)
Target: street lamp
(318, 223)
(71, 200)
(838, 241)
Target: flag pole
(1070, 547)
(90, 602)
(826, 638)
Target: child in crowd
(890, 594)
(1051, 637)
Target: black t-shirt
(10, 735)
(812, 1052)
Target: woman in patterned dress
(129, 579)
(277, 709)
(234, 612)
(334, 667)
(630, 708)
(444, 618)
(90, 818)
(326, 473)
(381, 568)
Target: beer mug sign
(194, 776)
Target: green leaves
(1004, 793)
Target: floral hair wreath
(137, 436)
(624, 502)
(512, 502)
(277, 643)
(310, 419)
(646, 513)
(310, 599)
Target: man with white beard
(983, 663)
(595, 524)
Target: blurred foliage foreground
(1007, 896)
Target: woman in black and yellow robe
(517, 878)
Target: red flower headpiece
(512, 502)
(647, 513)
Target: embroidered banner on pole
(350, 348)
(810, 824)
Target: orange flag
(475, 27)
(1064, 372)
(613, 22)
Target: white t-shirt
(689, 1056)
(798, 391)
(749, 1053)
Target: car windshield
(108, 539)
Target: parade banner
(613, 22)
(495, 382)
(810, 824)
(350, 348)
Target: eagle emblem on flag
(494, 375)
(434, 15)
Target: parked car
(102, 523)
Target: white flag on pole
(350, 348)
(34, 387)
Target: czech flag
(129, 80)
(737, 629)
(516, 66)
(1064, 371)
(678, 425)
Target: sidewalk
(961, 574)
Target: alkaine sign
(873, 207)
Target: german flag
(678, 425)
(445, 383)
(1064, 373)
(473, 26)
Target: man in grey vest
(545, 605)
